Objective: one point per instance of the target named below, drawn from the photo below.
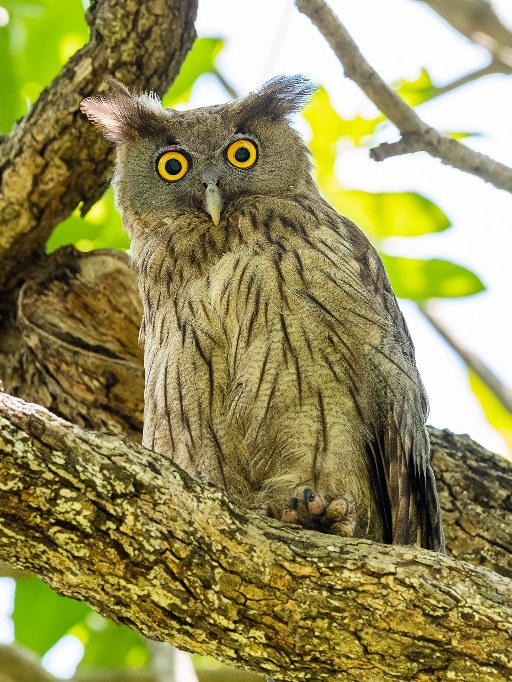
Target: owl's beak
(213, 201)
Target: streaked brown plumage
(278, 364)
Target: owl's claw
(291, 514)
(314, 504)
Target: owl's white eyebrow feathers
(125, 116)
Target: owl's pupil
(242, 155)
(173, 166)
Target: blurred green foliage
(55, 615)
(38, 38)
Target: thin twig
(477, 21)
(412, 129)
(470, 77)
(227, 86)
(502, 392)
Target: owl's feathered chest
(233, 344)
(272, 287)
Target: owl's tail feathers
(431, 534)
(413, 500)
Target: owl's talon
(308, 495)
(309, 510)
(291, 514)
(315, 506)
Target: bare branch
(477, 20)
(53, 159)
(502, 392)
(470, 77)
(20, 665)
(416, 134)
(123, 529)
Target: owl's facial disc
(213, 200)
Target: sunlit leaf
(200, 59)
(391, 214)
(328, 128)
(55, 615)
(416, 91)
(462, 135)
(9, 107)
(101, 228)
(108, 645)
(496, 414)
(420, 279)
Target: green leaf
(416, 91)
(328, 128)
(100, 228)
(419, 279)
(108, 645)
(391, 214)
(496, 414)
(55, 615)
(200, 59)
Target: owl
(277, 362)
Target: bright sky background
(398, 37)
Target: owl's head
(203, 159)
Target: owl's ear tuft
(125, 116)
(278, 98)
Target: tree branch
(53, 159)
(502, 392)
(416, 135)
(21, 665)
(123, 529)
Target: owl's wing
(350, 280)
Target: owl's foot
(340, 516)
(310, 511)
(304, 510)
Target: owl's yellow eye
(242, 153)
(172, 166)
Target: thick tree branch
(53, 159)
(416, 135)
(123, 529)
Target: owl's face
(202, 160)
